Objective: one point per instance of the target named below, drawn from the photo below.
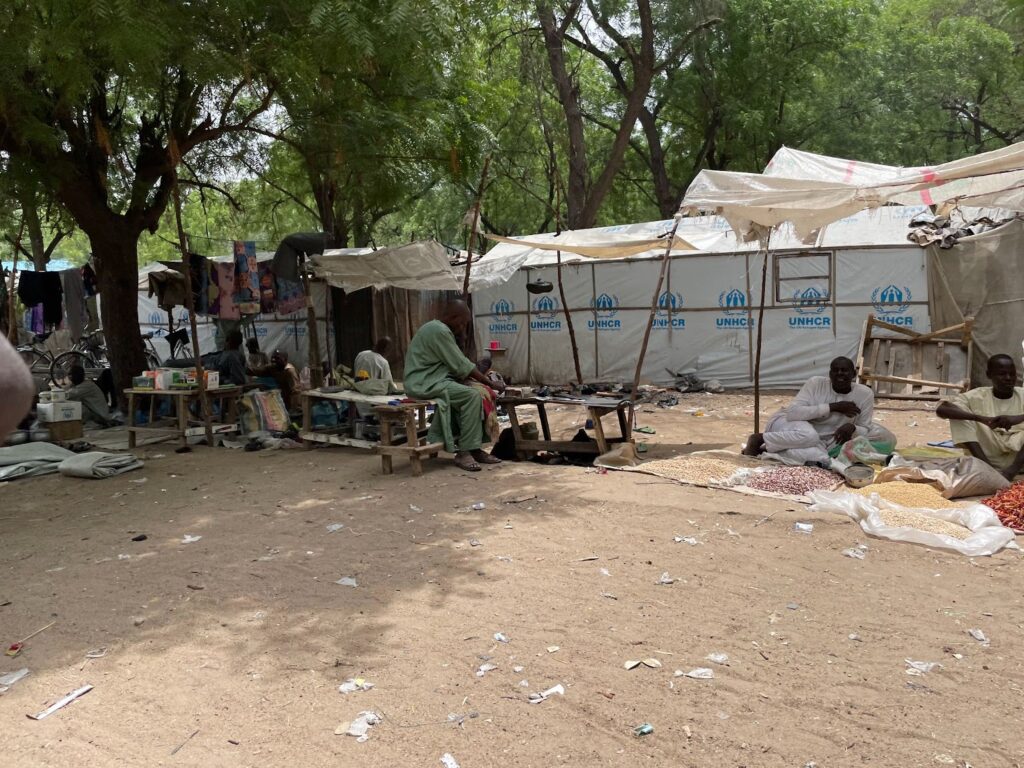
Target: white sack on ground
(988, 534)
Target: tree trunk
(664, 191)
(568, 95)
(34, 227)
(116, 249)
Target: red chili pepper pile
(1008, 505)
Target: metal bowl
(859, 475)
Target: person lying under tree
(987, 421)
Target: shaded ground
(256, 655)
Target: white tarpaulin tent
(828, 189)
(817, 300)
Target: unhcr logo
(606, 307)
(734, 310)
(501, 311)
(892, 302)
(810, 307)
(665, 317)
(545, 309)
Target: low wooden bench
(403, 433)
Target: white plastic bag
(988, 537)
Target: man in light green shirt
(434, 370)
(989, 421)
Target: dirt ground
(228, 651)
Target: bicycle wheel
(37, 362)
(60, 369)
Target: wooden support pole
(204, 401)
(654, 305)
(12, 315)
(760, 330)
(472, 229)
(561, 291)
(316, 372)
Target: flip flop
(467, 463)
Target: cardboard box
(52, 413)
(61, 431)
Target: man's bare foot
(755, 445)
(485, 458)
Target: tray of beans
(793, 481)
(1008, 505)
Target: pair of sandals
(472, 460)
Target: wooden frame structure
(596, 407)
(906, 365)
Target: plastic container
(859, 475)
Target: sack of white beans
(984, 534)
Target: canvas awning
(817, 195)
(416, 266)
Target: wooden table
(178, 425)
(403, 427)
(596, 407)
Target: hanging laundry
(227, 308)
(212, 290)
(290, 296)
(169, 286)
(247, 281)
(268, 293)
(199, 278)
(74, 301)
(43, 288)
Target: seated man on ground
(372, 371)
(987, 420)
(255, 358)
(88, 393)
(435, 369)
(826, 412)
(230, 362)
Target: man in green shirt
(434, 370)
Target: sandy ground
(242, 638)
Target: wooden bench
(403, 430)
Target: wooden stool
(403, 433)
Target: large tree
(105, 100)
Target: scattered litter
(691, 540)
(643, 730)
(609, 595)
(978, 635)
(139, 480)
(793, 606)
(605, 572)
(354, 684)
(507, 526)
(360, 727)
(414, 508)
(138, 621)
(553, 649)
(854, 637)
(700, 673)
(505, 558)
(6, 681)
(333, 527)
(16, 648)
(140, 537)
(665, 579)
(485, 668)
(524, 683)
(633, 664)
(518, 668)
(478, 505)
(587, 559)
(645, 430)
(856, 554)
(501, 638)
(124, 557)
(520, 499)
(196, 587)
(190, 539)
(920, 667)
(62, 702)
(347, 581)
(97, 653)
(448, 761)
(718, 658)
(803, 527)
(537, 698)
(474, 542)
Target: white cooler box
(53, 412)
